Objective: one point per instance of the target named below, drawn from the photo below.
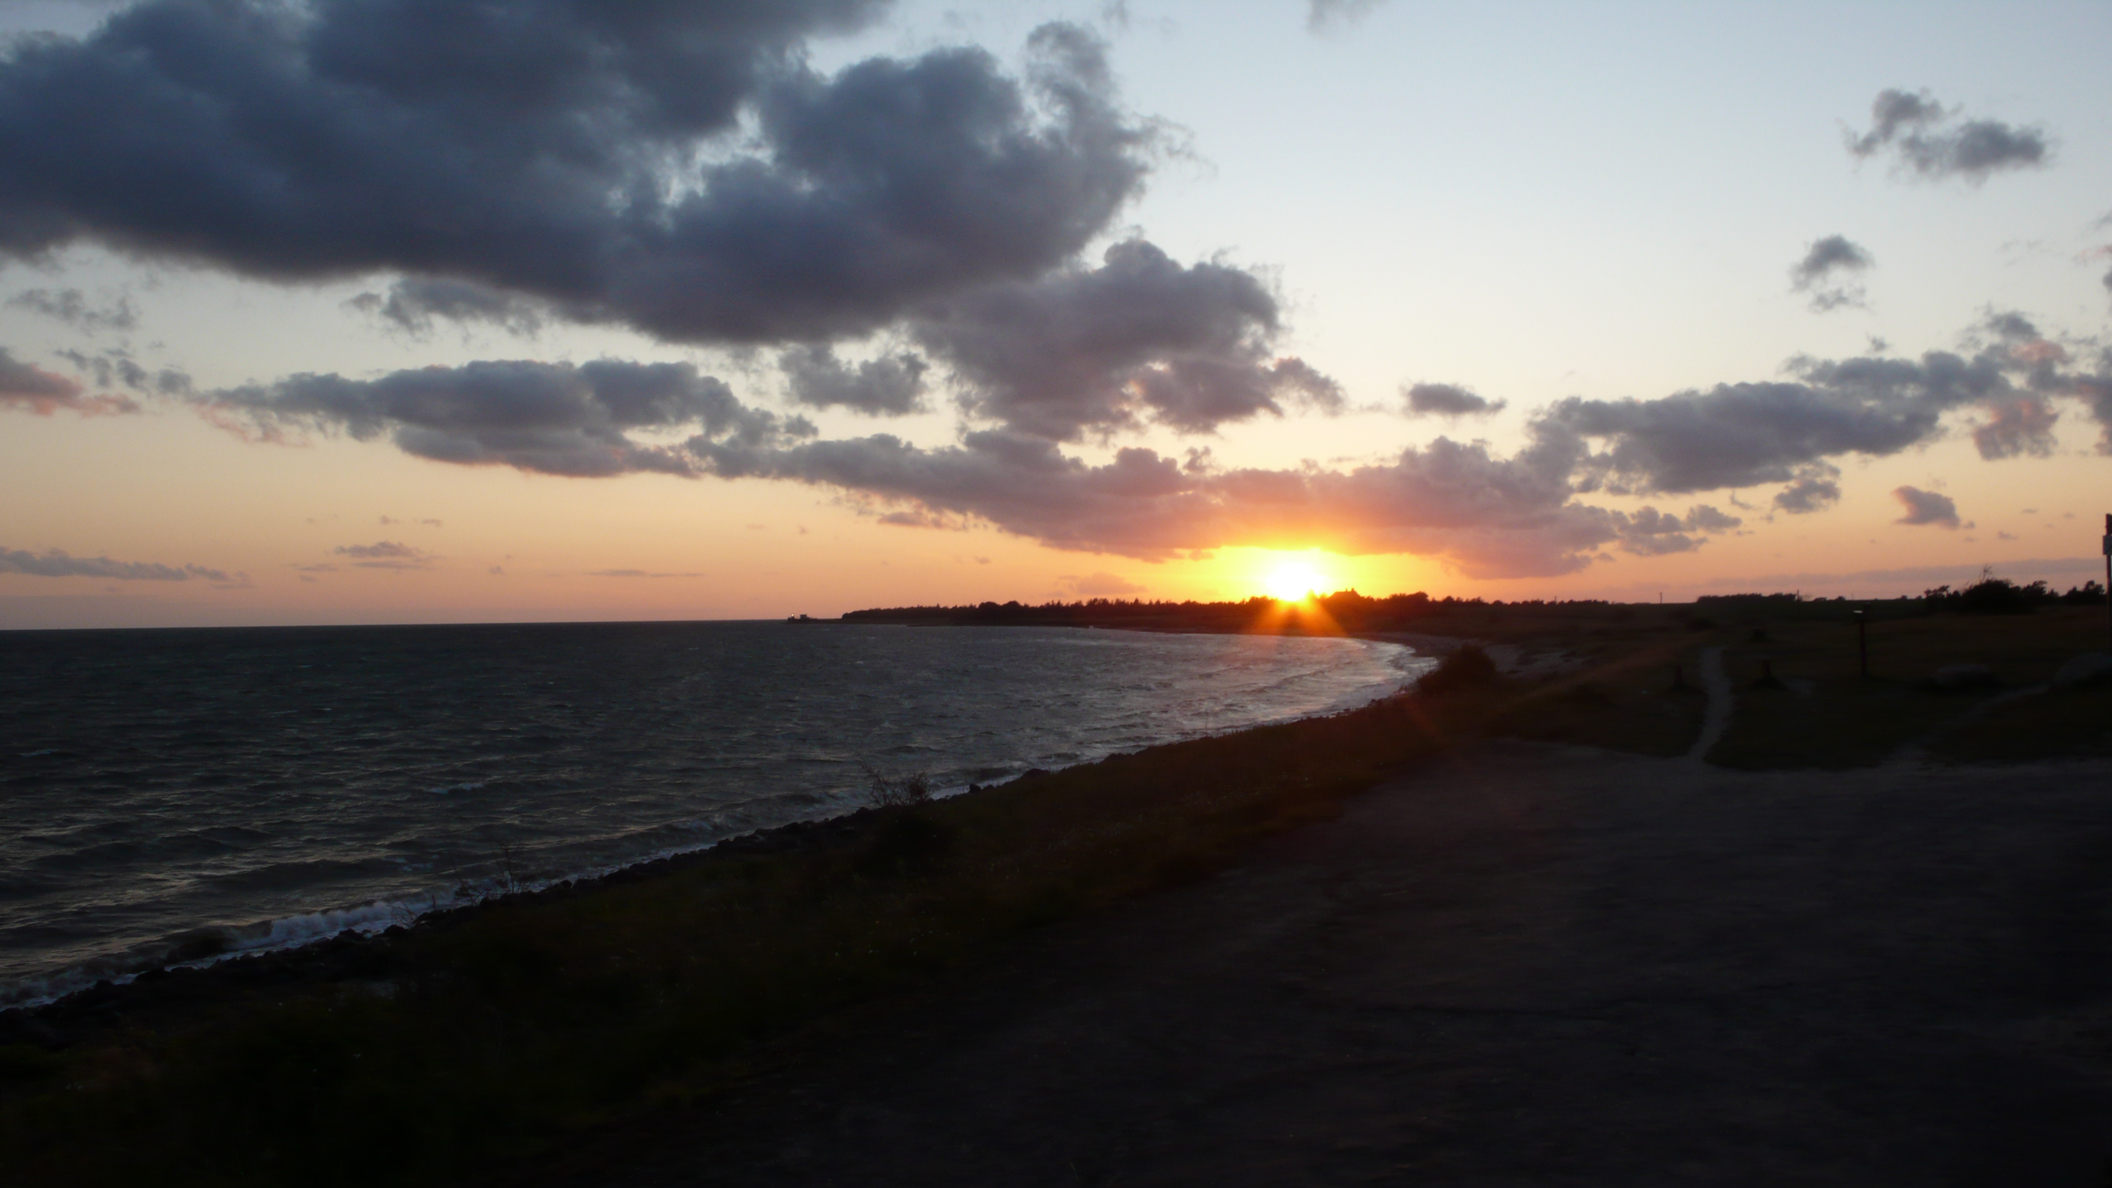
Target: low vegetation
(1802, 700)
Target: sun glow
(1294, 581)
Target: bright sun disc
(1291, 583)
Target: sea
(194, 794)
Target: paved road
(1532, 966)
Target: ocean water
(257, 788)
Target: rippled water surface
(255, 787)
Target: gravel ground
(1530, 965)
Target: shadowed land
(1524, 965)
(1515, 959)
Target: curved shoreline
(287, 937)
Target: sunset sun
(1294, 580)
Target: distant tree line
(1346, 609)
(1999, 596)
(1351, 611)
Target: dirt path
(1532, 966)
(1717, 717)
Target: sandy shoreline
(1528, 965)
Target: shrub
(1467, 667)
(886, 791)
(1990, 596)
(2090, 593)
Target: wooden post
(1862, 643)
(2108, 568)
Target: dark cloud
(675, 167)
(1925, 140)
(414, 304)
(24, 386)
(1926, 507)
(72, 307)
(891, 385)
(1447, 400)
(1140, 338)
(2020, 426)
(1703, 518)
(552, 418)
(1649, 532)
(1814, 490)
(2011, 327)
(117, 368)
(1739, 435)
(2095, 391)
(56, 563)
(2025, 424)
(1827, 273)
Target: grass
(1640, 692)
(2069, 724)
(1826, 715)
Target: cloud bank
(1013, 465)
(1753, 433)
(53, 563)
(549, 418)
(1926, 507)
(676, 168)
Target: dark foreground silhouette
(1525, 965)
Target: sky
(420, 311)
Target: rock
(1964, 678)
(2088, 668)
